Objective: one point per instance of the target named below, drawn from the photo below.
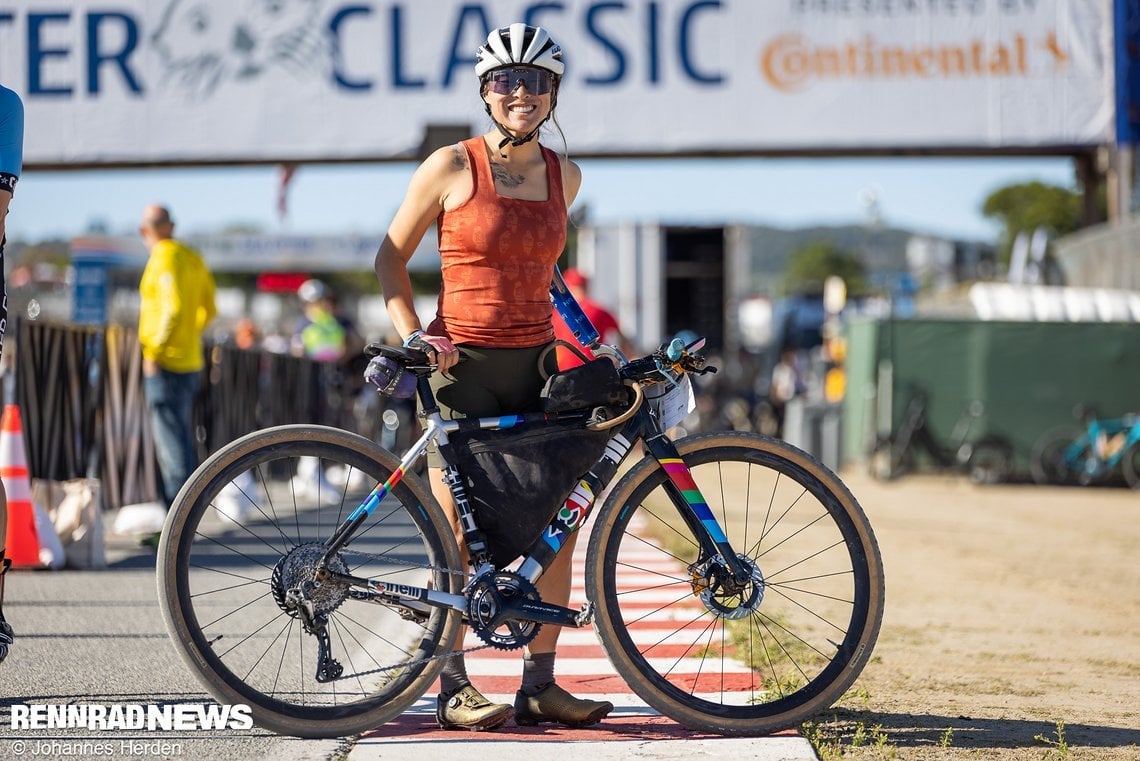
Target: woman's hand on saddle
(440, 350)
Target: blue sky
(938, 196)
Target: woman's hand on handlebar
(440, 350)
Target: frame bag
(517, 479)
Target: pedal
(585, 615)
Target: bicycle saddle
(405, 356)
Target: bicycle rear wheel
(765, 658)
(251, 523)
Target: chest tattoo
(505, 178)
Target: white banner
(215, 81)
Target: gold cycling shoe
(554, 704)
(468, 709)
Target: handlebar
(669, 362)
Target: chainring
(486, 599)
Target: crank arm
(544, 613)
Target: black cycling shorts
(490, 382)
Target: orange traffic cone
(23, 543)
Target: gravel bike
(986, 460)
(1089, 454)
(330, 607)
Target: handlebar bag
(517, 479)
(594, 384)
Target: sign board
(217, 81)
(95, 261)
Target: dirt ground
(1012, 625)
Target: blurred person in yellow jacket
(177, 302)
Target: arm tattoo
(459, 159)
(505, 178)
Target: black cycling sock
(453, 677)
(538, 673)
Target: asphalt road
(97, 638)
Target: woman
(500, 202)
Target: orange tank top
(498, 258)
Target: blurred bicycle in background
(1089, 454)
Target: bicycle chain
(430, 658)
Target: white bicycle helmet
(519, 44)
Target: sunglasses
(506, 81)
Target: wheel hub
(722, 596)
(297, 570)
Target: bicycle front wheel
(1057, 457)
(764, 657)
(249, 526)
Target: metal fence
(80, 393)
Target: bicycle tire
(1048, 464)
(220, 580)
(803, 643)
(1130, 465)
(889, 460)
(990, 460)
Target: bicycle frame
(573, 514)
(1083, 454)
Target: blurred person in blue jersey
(11, 162)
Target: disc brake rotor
(713, 584)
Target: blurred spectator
(11, 164)
(246, 335)
(332, 339)
(176, 303)
(787, 384)
(601, 318)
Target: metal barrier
(80, 393)
(815, 427)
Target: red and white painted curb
(583, 669)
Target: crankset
(494, 604)
(506, 611)
(722, 595)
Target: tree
(1027, 206)
(812, 264)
